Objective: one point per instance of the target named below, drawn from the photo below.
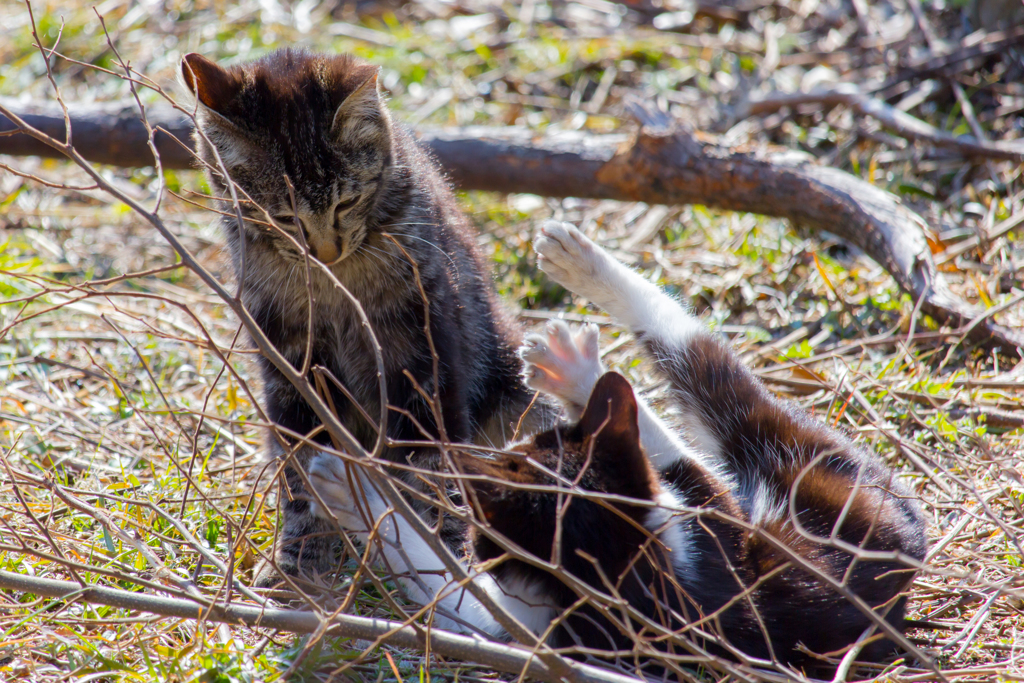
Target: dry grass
(117, 404)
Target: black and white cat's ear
(610, 429)
(362, 119)
(214, 86)
(611, 412)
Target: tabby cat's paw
(271, 575)
(266, 575)
(572, 260)
(563, 364)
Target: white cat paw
(337, 489)
(572, 260)
(563, 364)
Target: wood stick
(507, 658)
(990, 45)
(896, 120)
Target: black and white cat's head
(600, 453)
(319, 121)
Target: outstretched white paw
(563, 364)
(338, 487)
(572, 260)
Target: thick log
(108, 133)
(663, 163)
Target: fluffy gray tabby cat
(320, 123)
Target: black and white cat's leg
(574, 261)
(583, 267)
(563, 364)
(353, 501)
(726, 411)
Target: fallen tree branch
(662, 164)
(507, 658)
(666, 164)
(107, 133)
(892, 118)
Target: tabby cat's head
(317, 120)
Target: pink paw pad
(562, 363)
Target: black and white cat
(750, 516)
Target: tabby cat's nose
(326, 251)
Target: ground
(116, 415)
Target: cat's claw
(572, 260)
(563, 364)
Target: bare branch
(508, 658)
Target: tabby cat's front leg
(308, 545)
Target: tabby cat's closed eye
(290, 223)
(344, 206)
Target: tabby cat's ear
(362, 119)
(611, 413)
(215, 86)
